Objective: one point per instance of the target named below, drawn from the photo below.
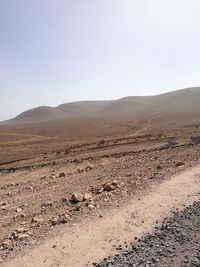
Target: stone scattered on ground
(37, 220)
(77, 197)
(111, 186)
(33, 196)
(87, 196)
(88, 168)
(61, 174)
(180, 163)
(60, 219)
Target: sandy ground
(92, 240)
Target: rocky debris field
(35, 202)
(176, 244)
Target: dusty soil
(122, 185)
(176, 243)
(93, 239)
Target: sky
(59, 51)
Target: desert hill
(177, 102)
(181, 101)
(65, 111)
(83, 118)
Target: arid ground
(67, 200)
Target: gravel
(176, 243)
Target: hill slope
(86, 118)
(177, 102)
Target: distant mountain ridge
(176, 103)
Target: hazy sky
(56, 51)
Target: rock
(25, 205)
(62, 174)
(54, 220)
(37, 220)
(88, 168)
(3, 203)
(179, 163)
(24, 223)
(77, 208)
(67, 216)
(30, 188)
(21, 215)
(18, 209)
(47, 204)
(63, 220)
(65, 199)
(111, 186)
(90, 206)
(158, 167)
(52, 175)
(80, 170)
(59, 219)
(22, 236)
(21, 230)
(100, 190)
(87, 196)
(114, 182)
(6, 243)
(76, 198)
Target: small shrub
(101, 142)
(66, 151)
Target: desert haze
(173, 103)
(103, 118)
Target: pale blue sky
(57, 51)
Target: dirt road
(92, 240)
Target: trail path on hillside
(146, 127)
(92, 240)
